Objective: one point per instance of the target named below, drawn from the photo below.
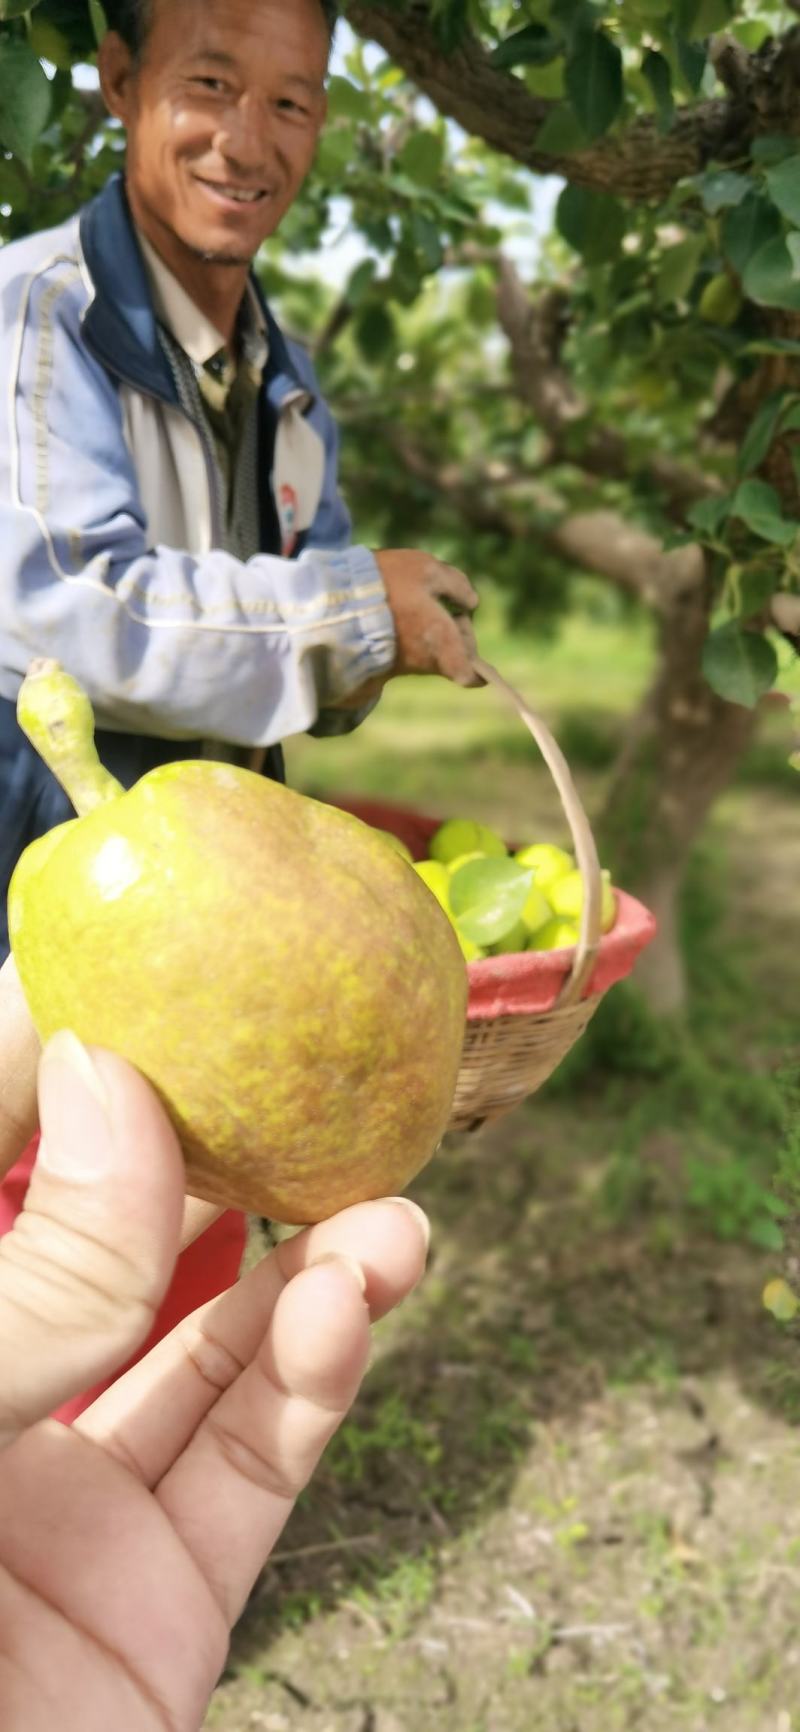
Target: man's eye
(217, 85)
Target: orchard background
(549, 269)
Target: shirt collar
(197, 335)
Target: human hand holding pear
(231, 939)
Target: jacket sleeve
(164, 642)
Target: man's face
(222, 112)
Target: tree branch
(602, 542)
(536, 330)
(640, 164)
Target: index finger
(19, 1057)
(451, 583)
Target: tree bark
(640, 164)
(682, 751)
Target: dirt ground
(569, 1499)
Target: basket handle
(585, 849)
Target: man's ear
(116, 67)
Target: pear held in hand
(289, 986)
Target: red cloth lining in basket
(519, 985)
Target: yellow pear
(555, 935)
(437, 878)
(394, 842)
(537, 910)
(566, 898)
(547, 861)
(288, 986)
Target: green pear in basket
(283, 979)
(459, 836)
(547, 862)
(566, 897)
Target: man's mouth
(228, 194)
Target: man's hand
(431, 604)
(129, 1544)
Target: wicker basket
(526, 1012)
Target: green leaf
(360, 282)
(721, 188)
(760, 433)
(739, 665)
(533, 46)
(783, 182)
(656, 69)
(450, 21)
(747, 228)
(713, 15)
(593, 223)
(487, 898)
(757, 505)
(422, 157)
(793, 244)
(756, 585)
(678, 268)
(768, 277)
(427, 238)
(708, 515)
(24, 98)
(561, 132)
(692, 57)
(594, 81)
(771, 346)
(375, 332)
(773, 147)
(99, 20)
(15, 8)
(346, 101)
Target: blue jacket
(174, 649)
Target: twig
(345, 1545)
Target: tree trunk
(681, 753)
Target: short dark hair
(131, 19)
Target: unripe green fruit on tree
(721, 300)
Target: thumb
(90, 1257)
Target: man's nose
(245, 135)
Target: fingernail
(349, 1262)
(77, 1138)
(419, 1216)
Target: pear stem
(56, 715)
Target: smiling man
(172, 529)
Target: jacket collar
(120, 324)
